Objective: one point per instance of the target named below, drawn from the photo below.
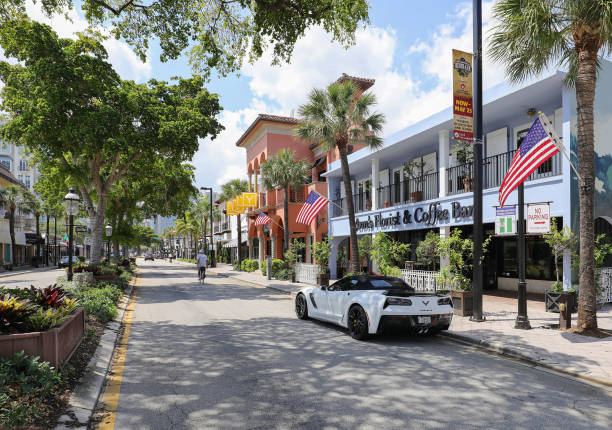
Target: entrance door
(339, 296)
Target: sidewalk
(26, 269)
(580, 356)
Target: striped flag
(315, 202)
(536, 148)
(262, 219)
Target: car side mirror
(323, 287)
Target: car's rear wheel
(357, 323)
(301, 308)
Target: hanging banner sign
(250, 199)
(463, 116)
(538, 218)
(505, 221)
(229, 208)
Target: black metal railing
(410, 190)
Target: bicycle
(201, 274)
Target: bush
(101, 300)
(249, 265)
(264, 267)
(236, 266)
(25, 383)
(283, 274)
(277, 266)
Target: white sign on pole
(538, 218)
(505, 221)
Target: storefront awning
(32, 239)
(5, 236)
(20, 238)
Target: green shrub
(249, 265)
(264, 267)
(101, 300)
(14, 313)
(283, 274)
(277, 266)
(42, 319)
(237, 266)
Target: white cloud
(120, 55)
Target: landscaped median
(47, 337)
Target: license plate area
(424, 320)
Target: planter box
(55, 346)
(467, 184)
(462, 303)
(552, 300)
(323, 279)
(416, 196)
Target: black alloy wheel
(301, 309)
(358, 323)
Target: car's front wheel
(301, 308)
(358, 323)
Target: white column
(444, 233)
(375, 179)
(443, 152)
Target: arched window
(5, 148)
(6, 161)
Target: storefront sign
(463, 117)
(538, 218)
(430, 215)
(505, 220)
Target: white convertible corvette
(365, 304)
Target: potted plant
(465, 156)
(293, 256)
(600, 252)
(560, 241)
(413, 171)
(321, 252)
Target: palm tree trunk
(286, 226)
(12, 231)
(37, 239)
(346, 177)
(585, 95)
(47, 246)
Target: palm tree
(283, 171)
(35, 207)
(338, 117)
(201, 211)
(534, 35)
(229, 190)
(13, 201)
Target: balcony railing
(410, 190)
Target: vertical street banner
(463, 116)
(505, 221)
(538, 218)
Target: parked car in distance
(149, 257)
(64, 261)
(366, 304)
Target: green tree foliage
(337, 117)
(217, 33)
(284, 171)
(560, 241)
(80, 121)
(14, 201)
(534, 35)
(321, 252)
(229, 190)
(389, 254)
(427, 251)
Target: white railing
(605, 285)
(306, 273)
(422, 280)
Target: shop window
(539, 262)
(27, 182)
(23, 165)
(6, 161)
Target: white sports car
(365, 304)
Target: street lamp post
(71, 203)
(109, 233)
(211, 223)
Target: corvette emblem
(425, 302)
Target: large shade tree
(217, 33)
(337, 117)
(72, 111)
(533, 35)
(284, 171)
(229, 190)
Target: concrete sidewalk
(580, 356)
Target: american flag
(262, 219)
(315, 202)
(536, 148)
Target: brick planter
(55, 346)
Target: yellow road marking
(113, 387)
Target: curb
(23, 272)
(86, 394)
(502, 350)
(272, 287)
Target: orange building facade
(264, 138)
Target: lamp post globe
(109, 233)
(71, 203)
(109, 230)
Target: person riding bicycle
(202, 261)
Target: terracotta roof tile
(266, 117)
(364, 83)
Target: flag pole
(557, 140)
(331, 201)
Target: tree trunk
(47, 246)
(12, 232)
(286, 228)
(37, 239)
(97, 231)
(586, 80)
(116, 249)
(346, 177)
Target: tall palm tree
(338, 117)
(229, 190)
(13, 201)
(533, 35)
(35, 207)
(201, 210)
(283, 171)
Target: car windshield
(381, 283)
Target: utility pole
(477, 280)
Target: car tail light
(396, 301)
(445, 301)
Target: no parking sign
(538, 218)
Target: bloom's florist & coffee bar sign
(434, 214)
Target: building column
(444, 233)
(375, 179)
(256, 181)
(250, 175)
(262, 247)
(443, 151)
(251, 248)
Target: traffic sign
(538, 218)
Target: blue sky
(406, 48)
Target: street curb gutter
(500, 349)
(280, 290)
(86, 394)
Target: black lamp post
(109, 233)
(71, 203)
(211, 223)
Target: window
(20, 178)
(5, 148)
(6, 161)
(27, 181)
(23, 165)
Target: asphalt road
(42, 277)
(229, 355)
